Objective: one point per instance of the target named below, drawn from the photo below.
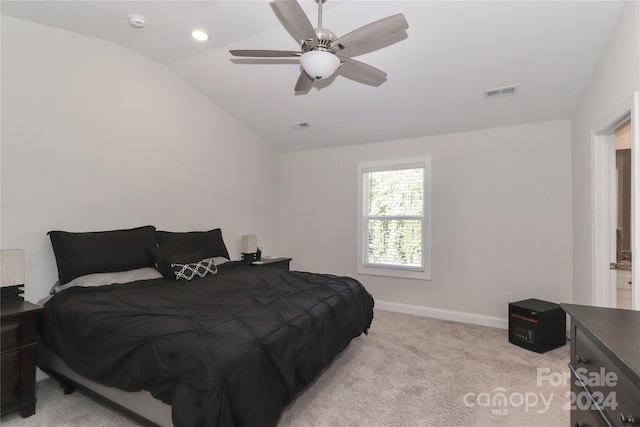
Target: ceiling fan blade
(361, 72)
(296, 21)
(304, 82)
(370, 33)
(265, 53)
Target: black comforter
(227, 350)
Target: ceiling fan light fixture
(319, 64)
(322, 52)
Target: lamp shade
(319, 64)
(11, 267)
(249, 244)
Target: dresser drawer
(587, 419)
(593, 365)
(11, 381)
(10, 393)
(611, 388)
(17, 331)
(585, 408)
(10, 365)
(628, 399)
(10, 335)
(582, 414)
(18, 343)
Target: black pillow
(167, 255)
(208, 243)
(78, 254)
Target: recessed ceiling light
(200, 35)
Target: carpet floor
(408, 371)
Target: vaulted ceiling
(437, 70)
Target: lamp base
(9, 294)
(251, 257)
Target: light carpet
(408, 371)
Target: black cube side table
(537, 325)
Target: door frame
(603, 200)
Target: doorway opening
(614, 266)
(623, 282)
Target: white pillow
(100, 279)
(219, 260)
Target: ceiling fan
(322, 52)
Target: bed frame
(140, 406)
(91, 259)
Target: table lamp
(11, 275)
(249, 248)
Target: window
(394, 222)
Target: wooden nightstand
(280, 263)
(18, 345)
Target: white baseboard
(455, 316)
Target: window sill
(394, 272)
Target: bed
(211, 343)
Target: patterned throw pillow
(192, 270)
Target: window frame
(409, 272)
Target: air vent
(301, 125)
(501, 91)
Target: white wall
(72, 105)
(614, 80)
(98, 137)
(501, 215)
